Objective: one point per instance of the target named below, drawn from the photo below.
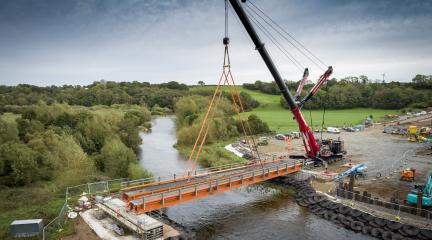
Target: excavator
(422, 190)
(319, 153)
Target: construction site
(380, 187)
(368, 181)
(373, 179)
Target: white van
(333, 130)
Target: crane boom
(301, 84)
(311, 146)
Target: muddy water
(262, 211)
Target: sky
(77, 42)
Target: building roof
(26, 221)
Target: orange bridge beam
(187, 192)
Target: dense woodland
(98, 93)
(353, 92)
(68, 144)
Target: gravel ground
(378, 151)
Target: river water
(261, 211)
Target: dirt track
(82, 232)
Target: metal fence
(388, 171)
(396, 209)
(72, 194)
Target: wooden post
(351, 182)
(419, 201)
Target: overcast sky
(59, 42)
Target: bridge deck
(157, 195)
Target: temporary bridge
(160, 194)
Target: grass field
(280, 119)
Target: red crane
(311, 146)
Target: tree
(27, 127)
(422, 81)
(17, 164)
(135, 171)
(257, 125)
(8, 132)
(248, 102)
(201, 83)
(128, 131)
(117, 157)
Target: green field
(280, 119)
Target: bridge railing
(204, 184)
(173, 176)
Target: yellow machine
(412, 133)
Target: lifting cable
(275, 42)
(227, 79)
(277, 28)
(258, 16)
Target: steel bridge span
(161, 194)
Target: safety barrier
(368, 199)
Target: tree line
(352, 92)
(99, 93)
(159, 98)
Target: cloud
(78, 42)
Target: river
(261, 211)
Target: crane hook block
(226, 40)
(243, 1)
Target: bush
(117, 157)
(135, 171)
(257, 125)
